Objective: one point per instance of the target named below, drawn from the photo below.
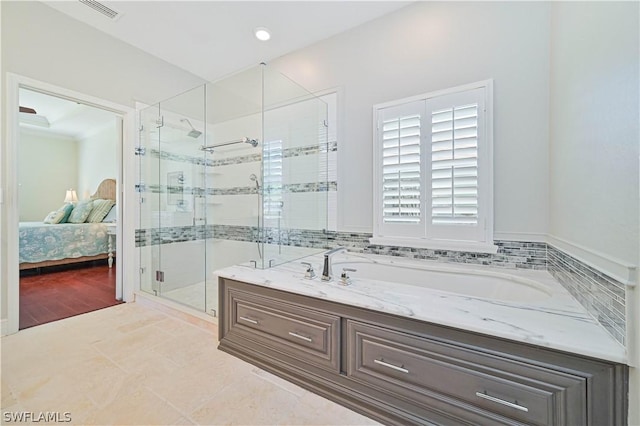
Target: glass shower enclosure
(233, 172)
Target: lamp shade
(71, 196)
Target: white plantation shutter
(401, 169)
(400, 137)
(434, 168)
(454, 165)
(456, 133)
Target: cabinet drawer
(295, 330)
(506, 390)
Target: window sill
(465, 246)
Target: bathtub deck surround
(407, 352)
(557, 321)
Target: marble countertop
(558, 322)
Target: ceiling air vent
(99, 7)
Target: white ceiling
(212, 39)
(66, 118)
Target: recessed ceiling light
(262, 33)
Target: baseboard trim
(621, 271)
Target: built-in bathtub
(487, 284)
(521, 305)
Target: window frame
(420, 236)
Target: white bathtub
(488, 284)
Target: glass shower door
(172, 187)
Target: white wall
(46, 169)
(97, 159)
(434, 45)
(44, 44)
(594, 126)
(594, 139)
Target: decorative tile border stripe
(511, 254)
(321, 148)
(164, 155)
(173, 234)
(241, 190)
(185, 190)
(247, 158)
(239, 159)
(602, 296)
(286, 188)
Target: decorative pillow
(67, 208)
(100, 210)
(81, 211)
(54, 217)
(112, 216)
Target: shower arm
(253, 142)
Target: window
(433, 170)
(272, 163)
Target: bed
(43, 245)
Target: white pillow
(112, 216)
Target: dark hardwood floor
(54, 295)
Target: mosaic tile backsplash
(601, 295)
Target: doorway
(123, 122)
(67, 265)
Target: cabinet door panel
(296, 330)
(416, 367)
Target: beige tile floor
(135, 364)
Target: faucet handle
(310, 273)
(344, 277)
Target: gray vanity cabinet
(402, 371)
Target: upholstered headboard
(106, 190)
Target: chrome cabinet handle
(299, 336)
(502, 401)
(393, 367)
(252, 321)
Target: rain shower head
(193, 132)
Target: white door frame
(125, 195)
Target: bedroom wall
(59, 50)
(97, 159)
(47, 167)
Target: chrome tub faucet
(326, 270)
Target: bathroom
(555, 202)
